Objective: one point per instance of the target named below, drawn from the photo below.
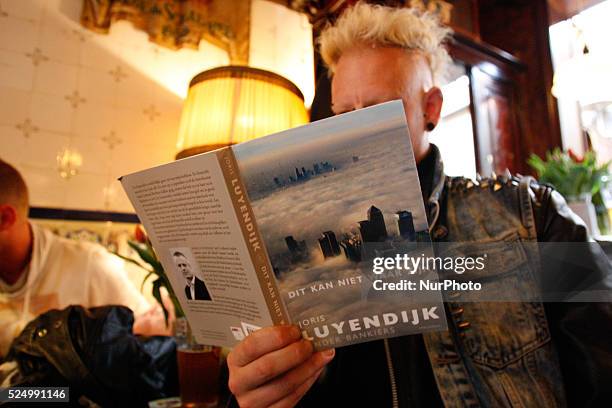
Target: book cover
(330, 198)
(317, 226)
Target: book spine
(250, 231)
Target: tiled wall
(281, 41)
(108, 96)
(114, 98)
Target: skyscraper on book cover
(405, 224)
(329, 244)
(373, 229)
(297, 249)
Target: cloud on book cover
(337, 201)
(310, 139)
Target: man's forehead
(381, 54)
(375, 70)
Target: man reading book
(530, 354)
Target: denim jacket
(494, 354)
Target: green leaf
(154, 267)
(146, 255)
(145, 279)
(569, 177)
(157, 284)
(150, 249)
(178, 310)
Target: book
(316, 226)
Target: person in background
(40, 271)
(494, 354)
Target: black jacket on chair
(94, 352)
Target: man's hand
(274, 367)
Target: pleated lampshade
(233, 104)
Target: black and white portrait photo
(195, 288)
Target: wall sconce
(233, 104)
(68, 162)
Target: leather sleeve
(582, 332)
(94, 352)
(554, 219)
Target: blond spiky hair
(386, 26)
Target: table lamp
(233, 104)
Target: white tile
(51, 113)
(141, 57)
(18, 34)
(27, 9)
(123, 32)
(58, 42)
(120, 166)
(129, 158)
(133, 126)
(152, 136)
(13, 106)
(12, 145)
(96, 155)
(164, 130)
(16, 70)
(169, 103)
(159, 155)
(156, 147)
(67, 9)
(42, 149)
(174, 72)
(93, 55)
(212, 55)
(164, 134)
(45, 186)
(115, 198)
(86, 191)
(135, 90)
(121, 203)
(93, 120)
(56, 78)
(97, 86)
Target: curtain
(178, 23)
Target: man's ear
(432, 106)
(8, 216)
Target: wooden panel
(496, 128)
(464, 18)
(463, 13)
(521, 28)
(495, 76)
(494, 79)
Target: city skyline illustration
(316, 220)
